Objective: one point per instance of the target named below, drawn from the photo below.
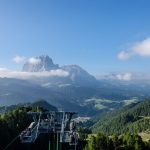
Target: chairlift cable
(11, 142)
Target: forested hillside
(39, 103)
(124, 142)
(12, 123)
(134, 118)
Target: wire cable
(11, 142)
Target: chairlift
(44, 123)
(51, 122)
(30, 134)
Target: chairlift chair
(30, 134)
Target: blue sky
(100, 36)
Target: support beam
(57, 144)
(49, 146)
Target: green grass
(100, 104)
(130, 101)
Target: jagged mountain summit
(38, 64)
(76, 75)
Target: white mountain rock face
(77, 75)
(43, 63)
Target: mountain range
(69, 88)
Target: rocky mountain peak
(76, 74)
(38, 64)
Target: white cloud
(19, 59)
(134, 76)
(116, 76)
(3, 69)
(141, 48)
(123, 55)
(29, 75)
(125, 76)
(34, 60)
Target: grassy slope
(133, 118)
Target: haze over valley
(68, 87)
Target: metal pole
(57, 141)
(75, 143)
(60, 146)
(49, 147)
